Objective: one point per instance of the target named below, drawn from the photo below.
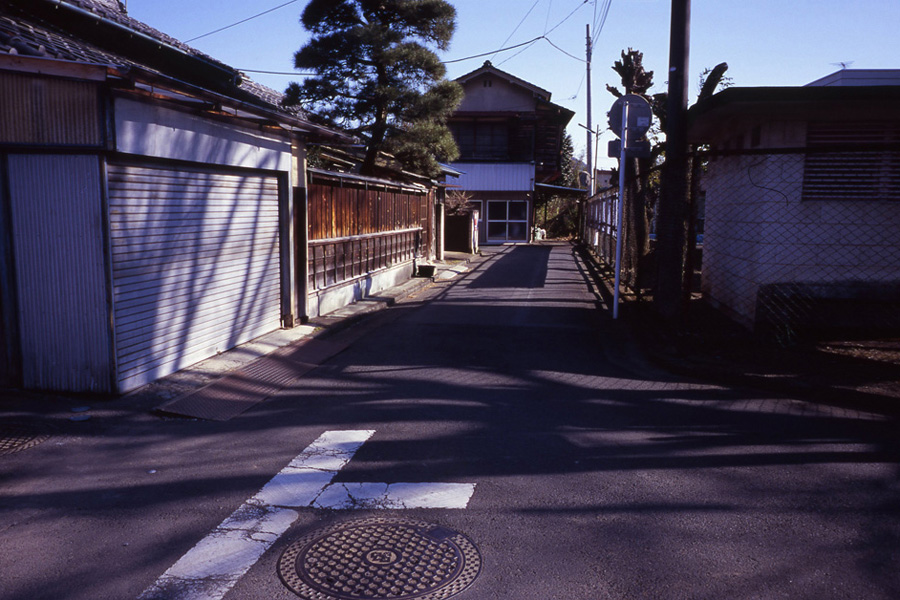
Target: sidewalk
(708, 346)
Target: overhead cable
(601, 21)
(242, 21)
(520, 23)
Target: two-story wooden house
(510, 140)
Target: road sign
(633, 149)
(629, 118)
(640, 116)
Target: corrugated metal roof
(858, 77)
(496, 176)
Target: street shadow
(507, 271)
(512, 390)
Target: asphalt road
(594, 477)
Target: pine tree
(377, 76)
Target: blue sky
(764, 42)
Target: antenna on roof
(843, 65)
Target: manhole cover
(380, 558)
(17, 436)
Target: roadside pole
(620, 214)
(673, 201)
(629, 118)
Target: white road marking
(215, 565)
(212, 567)
(395, 496)
(299, 483)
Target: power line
(242, 21)
(563, 51)
(509, 58)
(602, 21)
(520, 23)
(544, 37)
(547, 18)
(567, 18)
(456, 60)
(446, 62)
(291, 73)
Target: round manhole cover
(18, 436)
(380, 558)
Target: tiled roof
(115, 11)
(29, 39)
(25, 33)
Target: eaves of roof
(366, 180)
(89, 32)
(561, 190)
(707, 118)
(565, 115)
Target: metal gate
(195, 265)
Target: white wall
(758, 230)
(150, 130)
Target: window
(507, 220)
(482, 140)
(852, 161)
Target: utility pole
(673, 203)
(590, 128)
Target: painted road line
(394, 496)
(300, 483)
(212, 567)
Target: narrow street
(575, 472)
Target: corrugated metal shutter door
(196, 266)
(57, 225)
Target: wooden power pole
(673, 213)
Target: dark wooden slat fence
(357, 226)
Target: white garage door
(196, 266)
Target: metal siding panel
(57, 225)
(495, 176)
(48, 111)
(196, 266)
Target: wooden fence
(360, 225)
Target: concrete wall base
(330, 299)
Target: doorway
(507, 221)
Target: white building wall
(758, 231)
(149, 130)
